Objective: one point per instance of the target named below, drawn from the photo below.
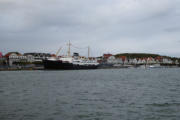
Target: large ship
(69, 62)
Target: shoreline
(35, 69)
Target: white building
(176, 62)
(167, 61)
(30, 58)
(37, 57)
(13, 57)
(151, 60)
(141, 61)
(113, 60)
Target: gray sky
(107, 26)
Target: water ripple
(126, 94)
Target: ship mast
(88, 51)
(69, 49)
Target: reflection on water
(126, 94)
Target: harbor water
(102, 94)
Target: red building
(123, 58)
(106, 56)
(12, 53)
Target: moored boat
(69, 62)
(69, 65)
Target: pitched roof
(106, 56)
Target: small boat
(154, 66)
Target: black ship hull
(59, 65)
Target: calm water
(115, 94)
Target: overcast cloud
(107, 26)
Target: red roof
(8, 54)
(123, 58)
(159, 58)
(106, 56)
(53, 55)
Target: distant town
(34, 61)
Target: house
(1, 59)
(119, 61)
(142, 61)
(132, 61)
(111, 60)
(14, 57)
(151, 60)
(1, 55)
(167, 61)
(135, 61)
(106, 56)
(159, 59)
(176, 62)
(123, 59)
(30, 58)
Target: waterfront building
(141, 61)
(99, 59)
(106, 56)
(159, 59)
(119, 61)
(114, 60)
(14, 57)
(30, 58)
(135, 61)
(37, 57)
(126, 61)
(151, 60)
(176, 62)
(167, 61)
(132, 61)
(123, 59)
(111, 60)
(1, 55)
(1, 59)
